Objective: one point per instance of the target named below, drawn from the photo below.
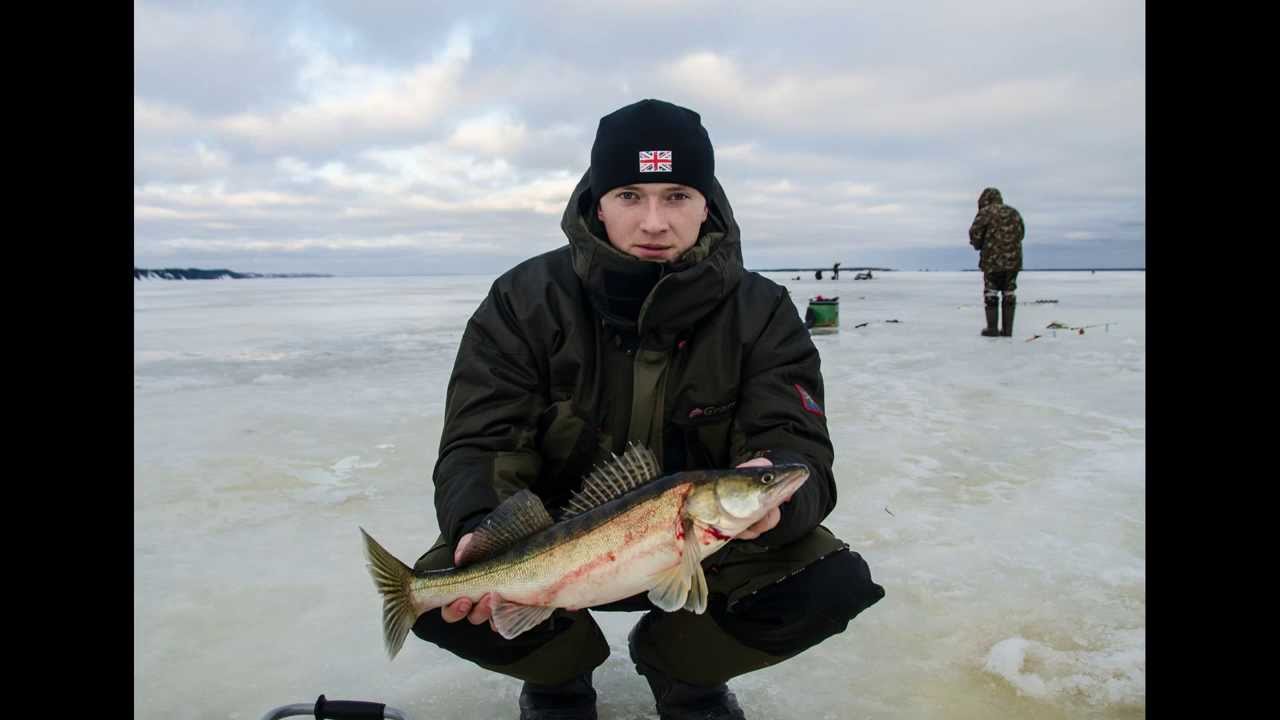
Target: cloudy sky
(385, 137)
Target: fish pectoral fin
(510, 619)
(697, 600)
(683, 587)
(672, 589)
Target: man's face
(653, 221)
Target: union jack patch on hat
(655, 161)
(808, 402)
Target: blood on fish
(575, 575)
(713, 533)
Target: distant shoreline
(845, 269)
(1071, 270)
(825, 269)
(223, 274)
(215, 274)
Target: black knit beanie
(652, 141)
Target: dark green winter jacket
(578, 351)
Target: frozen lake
(996, 487)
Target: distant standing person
(997, 233)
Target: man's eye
(626, 195)
(678, 196)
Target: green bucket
(823, 314)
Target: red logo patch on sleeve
(808, 402)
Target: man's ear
(599, 212)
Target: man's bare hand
(476, 613)
(771, 518)
(761, 526)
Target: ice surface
(995, 486)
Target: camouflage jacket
(716, 368)
(997, 232)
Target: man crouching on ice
(645, 329)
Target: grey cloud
(199, 57)
(914, 108)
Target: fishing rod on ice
(1079, 328)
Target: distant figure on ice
(645, 328)
(997, 233)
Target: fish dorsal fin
(518, 517)
(614, 479)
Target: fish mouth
(790, 478)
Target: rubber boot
(681, 701)
(1006, 309)
(993, 317)
(571, 700)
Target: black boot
(681, 701)
(571, 700)
(1006, 309)
(993, 317)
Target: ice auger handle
(337, 710)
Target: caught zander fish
(626, 532)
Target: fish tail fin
(391, 577)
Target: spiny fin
(510, 619)
(614, 479)
(518, 517)
(391, 577)
(683, 587)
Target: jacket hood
(687, 288)
(989, 196)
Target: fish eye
(766, 478)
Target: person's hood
(687, 288)
(989, 196)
